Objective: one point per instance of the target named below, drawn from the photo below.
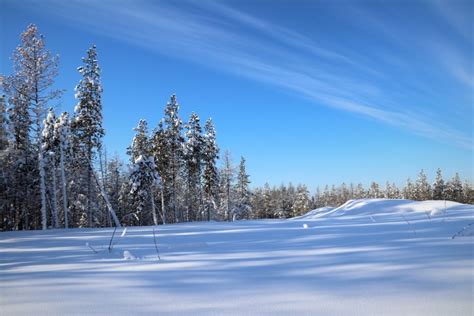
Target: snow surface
(367, 257)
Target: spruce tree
(374, 191)
(422, 187)
(301, 204)
(194, 156)
(62, 132)
(49, 147)
(144, 178)
(226, 177)
(174, 143)
(87, 128)
(159, 147)
(409, 190)
(243, 207)
(141, 145)
(439, 186)
(34, 72)
(210, 174)
(454, 189)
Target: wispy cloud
(221, 36)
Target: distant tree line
(55, 172)
(288, 201)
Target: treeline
(288, 201)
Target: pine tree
(226, 176)
(210, 174)
(374, 191)
(468, 191)
(359, 192)
(143, 179)
(194, 155)
(409, 190)
(34, 73)
(454, 189)
(141, 145)
(87, 128)
(268, 206)
(49, 147)
(243, 207)
(62, 130)
(439, 186)
(159, 149)
(422, 187)
(174, 142)
(301, 204)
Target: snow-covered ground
(367, 257)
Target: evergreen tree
(87, 130)
(409, 190)
(174, 142)
(62, 130)
(422, 187)
(468, 191)
(439, 186)
(49, 147)
(359, 192)
(159, 149)
(34, 73)
(226, 176)
(141, 145)
(210, 174)
(454, 189)
(268, 207)
(243, 207)
(194, 155)
(374, 191)
(143, 179)
(301, 204)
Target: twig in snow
(112, 239)
(121, 236)
(88, 245)
(156, 246)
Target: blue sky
(317, 92)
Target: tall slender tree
(87, 127)
(31, 84)
(243, 207)
(193, 155)
(174, 142)
(62, 132)
(210, 175)
(439, 186)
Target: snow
(343, 263)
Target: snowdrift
(371, 207)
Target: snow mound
(372, 207)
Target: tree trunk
(163, 206)
(153, 209)
(44, 223)
(54, 208)
(64, 191)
